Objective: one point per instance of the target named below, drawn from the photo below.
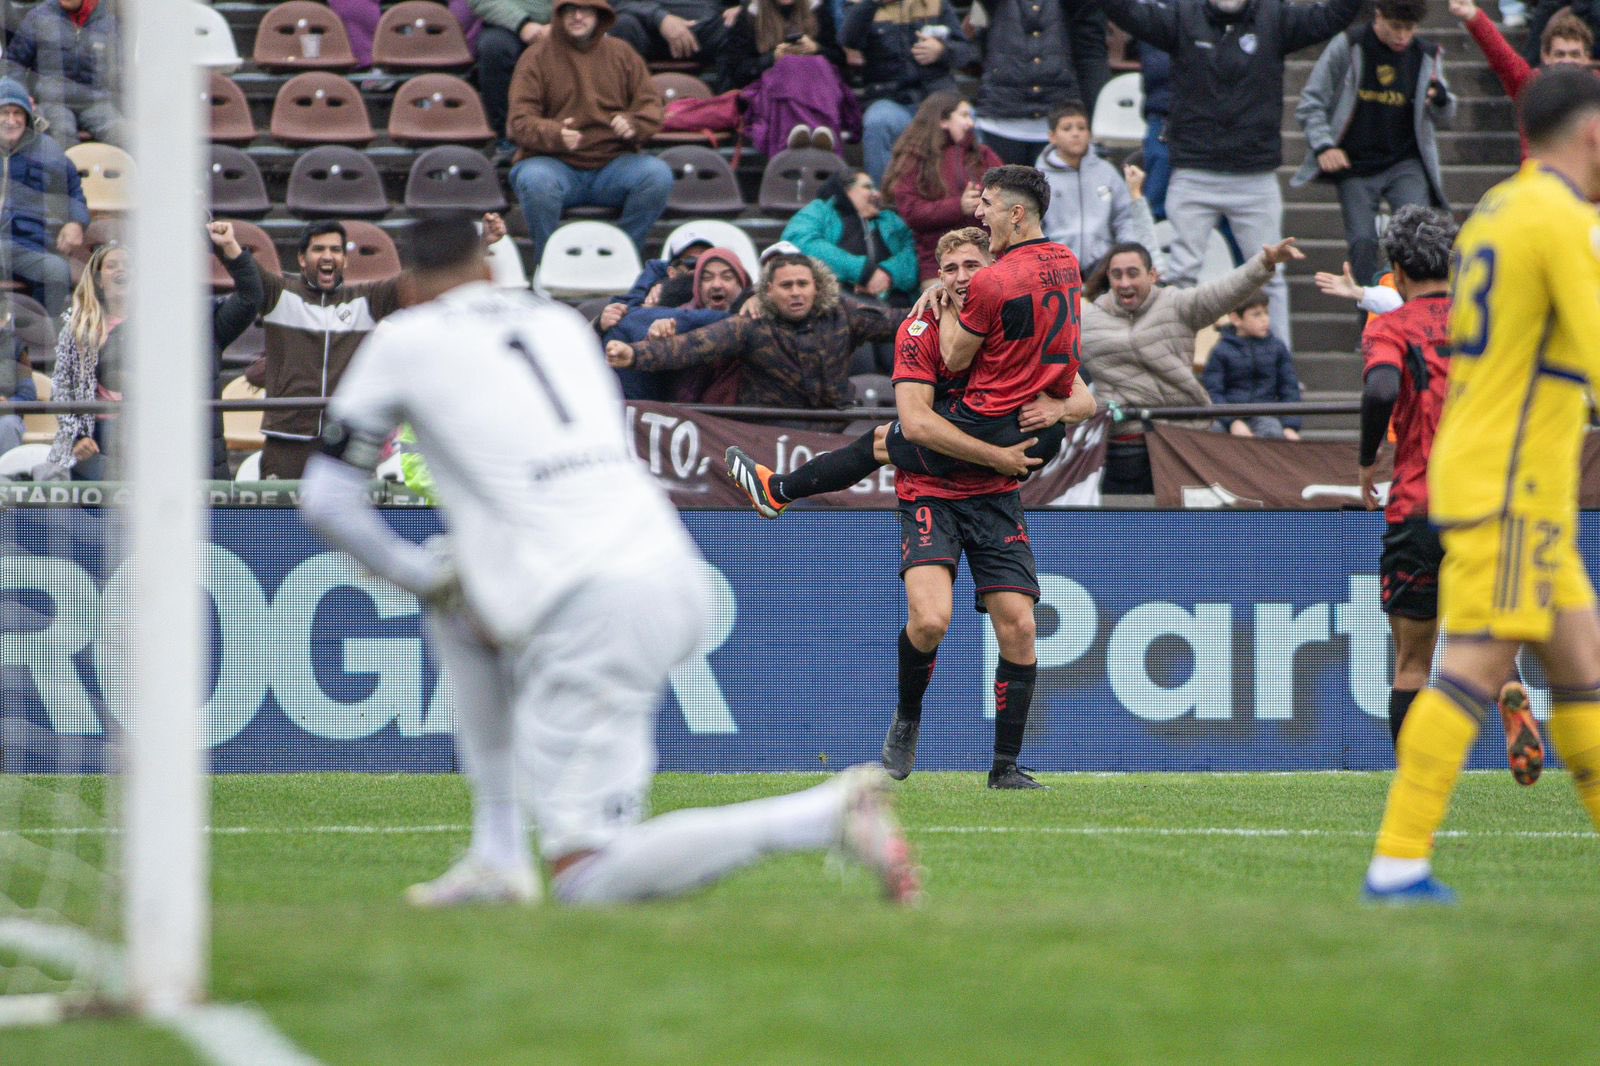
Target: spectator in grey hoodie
(1091, 207)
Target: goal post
(165, 798)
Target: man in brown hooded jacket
(581, 106)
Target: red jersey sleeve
(981, 310)
(916, 351)
(1381, 346)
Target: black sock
(829, 472)
(916, 670)
(1399, 703)
(1013, 693)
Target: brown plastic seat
(320, 108)
(106, 173)
(673, 86)
(253, 237)
(237, 189)
(278, 39)
(370, 254)
(230, 112)
(438, 109)
(419, 35)
(31, 323)
(333, 181)
(793, 177)
(453, 178)
(703, 182)
(100, 231)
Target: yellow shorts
(1507, 578)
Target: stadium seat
(587, 259)
(230, 112)
(320, 108)
(100, 231)
(452, 178)
(31, 323)
(1118, 117)
(333, 181)
(723, 235)
(703, 182)
(290, 33)
(370, 254)
(250, 469)
(674, 86)
(419, 35)
(213, 40)
(107, 175)
(872, 390)
(261, 246)
(237, 190)
(249, 347)
(40, 429)
(20, 461)
(242, 429)
(793, 177)
(438, 109)
(505, 265)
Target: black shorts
(1000, 430)
(991, 530)
(1409, 569)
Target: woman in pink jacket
(933, 177)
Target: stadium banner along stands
(1168, 641)
(1196, 468)
(684, 450)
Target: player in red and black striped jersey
(1406, 378)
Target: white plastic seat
(213, 40)
(20, 461)
(726, 235)
(505, 264)
(587, 259)
(250, 469)
(1118, 111)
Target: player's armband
(351, 445)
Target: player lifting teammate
(1407, 373)
(1503, 477)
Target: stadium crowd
(925, 95)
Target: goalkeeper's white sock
(484, 737)
(684, 850)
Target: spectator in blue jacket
(16, 383)
(685, 302)
(67, 50)
(869, 249)
(42, 191)
(1250, 365)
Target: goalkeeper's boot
(871, 834)
(900, 747)
(1423, 892)
(1524, 749)
(1011, 775)
(755, 480)
(471, 883)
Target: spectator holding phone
(1370, 109)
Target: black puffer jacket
(1040, 53)
(889, 72)
(1227, 70)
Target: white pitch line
(231, 1034)
(1040, 830)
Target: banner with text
(1249, 641)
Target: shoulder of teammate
(983, 300)
(1383, 340)
(916, 349)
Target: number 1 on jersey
(514, 342)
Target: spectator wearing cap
(868, 248)
(68, 52)
(687, 304)
(1225, 130)
(43, 213)
(682, 251)
(582, 107)
(1370, 110)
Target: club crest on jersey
(1386, 75)
(917, 328)
(1247, 44)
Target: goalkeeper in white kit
(562, 596)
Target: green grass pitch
(1129, 918)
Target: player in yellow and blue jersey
(1503, 477)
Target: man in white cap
(681, 252)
